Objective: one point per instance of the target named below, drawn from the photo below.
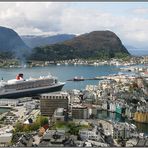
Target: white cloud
(140, 11)
(36, 16)
(131, 30)
(50, 18)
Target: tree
(26, 128)
(19, 127)
(41, 120)
(34, 126)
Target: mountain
(10, 41)
(34, 41)
(96, 44)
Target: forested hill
(96, 44)
(11, 43)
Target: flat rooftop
(54, 93)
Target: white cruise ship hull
(32, 91)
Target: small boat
(78, 79)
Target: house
(55, 138)
(25, 140)
(41, 131)
(123, 130)
(90, 134)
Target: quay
(95, 78)
(6, 107)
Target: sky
(128, 20)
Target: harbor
(95, 97)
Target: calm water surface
(3, 110)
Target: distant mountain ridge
(10, 41)
(34, 41)
(96, 44)
(137, 51)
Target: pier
(84, 79)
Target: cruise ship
(19, 87)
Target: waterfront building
(141, 117)
(80, 112)
(51, 101)
(123, 130)
(118, 109)
(130, 111)
(13, 102)
(112, 107)
(141, 114)
(9, 102)
(104, 105)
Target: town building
(80, 112)
(123, 130)
(5, 139)
(51, 101)
(53, 138)
(59, 115)
(93, 134)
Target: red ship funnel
(19, 76)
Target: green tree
(34, 126)
(26, 128)
(41, 120)
(19, 127)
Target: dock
(95, 78)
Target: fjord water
(63, 73)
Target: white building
(98, 144)
(89, 134)
(5, 139)
(121, 131)
(112, 106)
(9, 102)
(59, 114)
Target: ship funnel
(19, 76)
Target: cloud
(140, 11)
(36, 16)
(51, 18)
(131, 30)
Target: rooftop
(142, 143)
(54, 93)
